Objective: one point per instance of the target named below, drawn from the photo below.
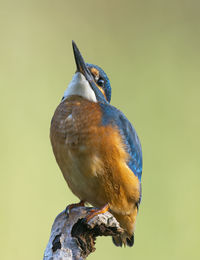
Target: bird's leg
(74, 205)
(95, 212)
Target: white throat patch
(81, 87)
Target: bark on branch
(72, 239)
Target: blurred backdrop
(150, 51)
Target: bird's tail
(123, 239)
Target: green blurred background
(151, 52)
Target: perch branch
(73, 239)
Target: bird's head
(89, 81)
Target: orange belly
(93, 159)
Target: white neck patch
(81, 87)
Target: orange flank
(93, 159)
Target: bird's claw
(94, 212)
(71, 206)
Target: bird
(97, 149)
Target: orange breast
(74, 136)
(92, 157)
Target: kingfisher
(97, 148)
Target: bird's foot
(95, 212)
(74, 205)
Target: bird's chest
(76, 142)
(75, 124)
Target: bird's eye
(100, 82)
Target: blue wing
(113, 116)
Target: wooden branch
(73, 239)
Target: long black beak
(80, 63)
